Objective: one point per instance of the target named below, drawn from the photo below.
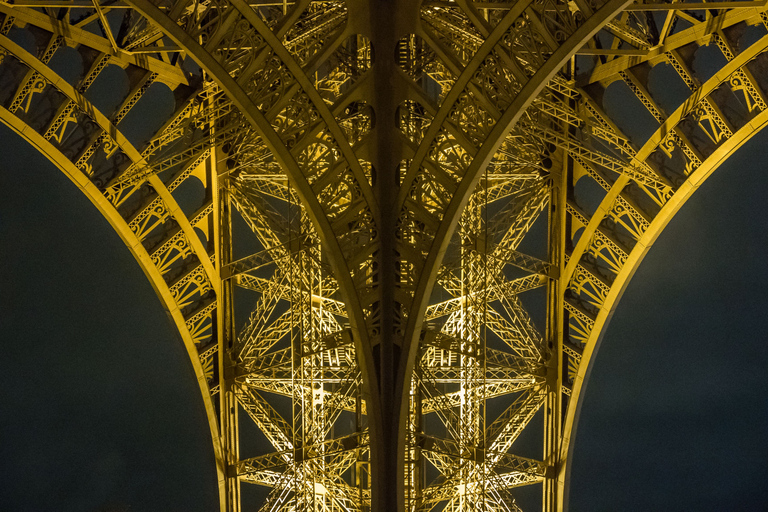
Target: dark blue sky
(676, 410)
(99, 408)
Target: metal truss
(416, 217)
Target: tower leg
(553, 407)
(230, 494)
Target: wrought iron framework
(417, 217)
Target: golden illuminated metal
(386, 187)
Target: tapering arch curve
(449, 216)
(134, 245)
(669, 137)
(642, 193)
(505, 123)
(309, 181)
(109, 192)
(188, 291)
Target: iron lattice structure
(415, 218)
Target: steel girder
(373, 176)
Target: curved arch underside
(414, 225)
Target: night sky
(99, 409)
(676, 409)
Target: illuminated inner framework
(389, 232)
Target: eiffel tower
(390, 233)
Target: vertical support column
(474, 287)
(310, 417)
(362, 471)
(413, 466)
(553, 406)
(228, 420)
(387, 465)
(302, 377)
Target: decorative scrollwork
(203, 19)
(171, 252)
(200, 326)
(608, 251)
(149, 218)
(739, 81)
(528, 48)
(191, 287)
(33, 85)
(711, 122)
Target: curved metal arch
(462, 81)
(330, 230)
(301, 78)
(170, 75)
(175, 303)
(634, 170)
(676, 200)
(281, 152)
(468, 183)
(143, 258)
(638, 172)
(121, 141)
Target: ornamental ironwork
(413, 220)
